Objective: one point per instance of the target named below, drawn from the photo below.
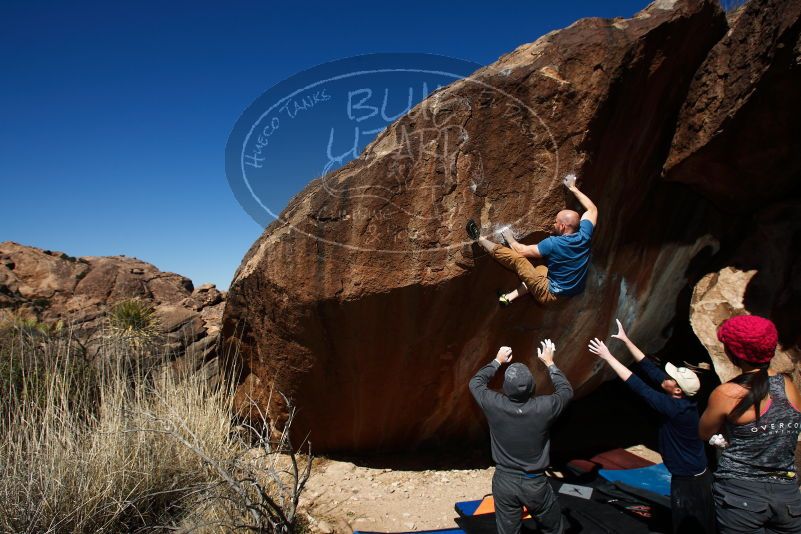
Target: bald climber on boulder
(566, 253)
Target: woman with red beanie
(755, 488)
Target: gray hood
(518, 382)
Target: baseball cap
(686, 379)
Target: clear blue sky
(114, 115)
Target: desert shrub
(132, 452)
(67, 467)
(260, 488)
(32, 356)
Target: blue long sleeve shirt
(681, 448)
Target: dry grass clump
(261, 489)
(95, 448)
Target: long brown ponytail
(757, 385)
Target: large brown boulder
(737, 142)
(374, 324)
(53, 286)
(739, 131)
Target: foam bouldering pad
(582, 468)
(485, 505)
(582, 515)
(620, 459)
(654, 478)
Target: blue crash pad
(466, 508)
(654, 478)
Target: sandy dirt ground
(342, 496)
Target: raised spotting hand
(621, 334)
(546, 352)
(504, 355)
(598, 347)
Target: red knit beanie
(750, 338)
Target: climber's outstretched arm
(527, 251)
(592, 210)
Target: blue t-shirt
(568, 259)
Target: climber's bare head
(567, 222)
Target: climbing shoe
(503, 300)
(473, 230)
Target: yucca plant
(134, 320)
(132, 337)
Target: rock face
(738, 132)
(737, 142)
(719, 296)
(374, 324)
(52, 286)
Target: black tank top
(764, 450)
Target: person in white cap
(682, 450)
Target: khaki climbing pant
(535, 278)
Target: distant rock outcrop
(51, 286)
(374, 323)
